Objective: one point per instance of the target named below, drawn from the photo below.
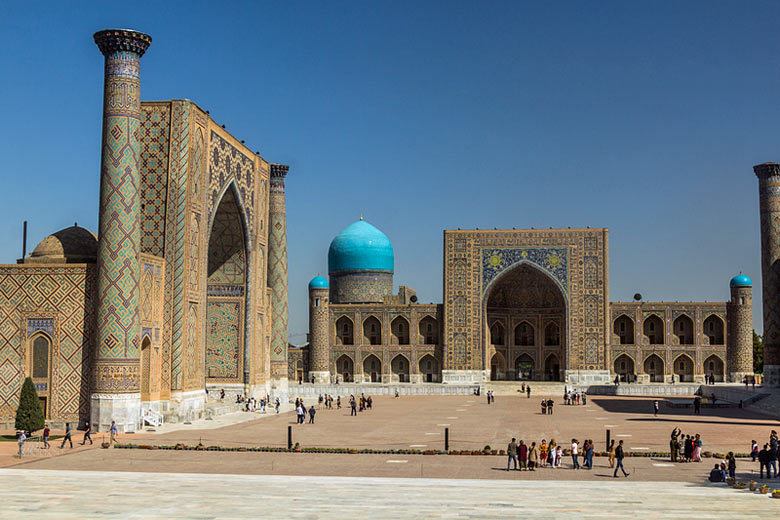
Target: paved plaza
(63, 495)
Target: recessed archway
(497, 334)
(345, 368)
(654, 367)
(400, 368)
(683, 368)
(525, 335)
(713, 367)
(624, 368)
(524, 367)
(372, 331)
(624, 329)
(429, 331)
(344, 331)
(683, 329)
(653, 328)
(713, 329)
(372, 369)
(497, 367)
(399, 331)
(552, 368)
(429, 369)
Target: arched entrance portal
(429, 369)
(372, 369)
(345, 368)
(624, 367)
(524, 368)
(528, 300)
(226, 293)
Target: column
(319, 331)
(739, 341)
(769, 202)
(116, 367)
(277, 277)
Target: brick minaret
(739, 344)
(319, 315)
(116, 369)
(277, 276)
(769, 200)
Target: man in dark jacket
(619, 456)
(716, 474)
(522, 455)
(763, 460)
(772, 461)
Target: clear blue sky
(644, 117)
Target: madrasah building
(184, 287)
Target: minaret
(319, 315)
(116, 368)
(769, 201)
(739, 344)
(277, 277)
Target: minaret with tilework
(277, 277)
(319, 315)
(739, 343)
(116, 367)
(769, 202)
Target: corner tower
(769, 202)
(116, 369)
(319, 347)
(277, 277)
(739, 344)
(360, 265)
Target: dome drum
(360, 286)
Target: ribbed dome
(360, 247)
(741, 281)
(70, 245)
(318, 282)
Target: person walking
(533, 457)
(353, 406)
(697, 445)
(487, 395)
(612, 454)
(112, 431)
(697, 405)
(619, 456)
(67, 436)
(656, 406)
(338, 402)
(574, 454)
(20, 438)
(46, 434)
(511, 450)
(528, 391)
(277, 405)
(312, 411)
(773, 460)
(299, 412)
(522, 455)
(732, 464)
(87, 433)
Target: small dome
(360, 247)
(741, 281)
(70, 245)
(318, 282)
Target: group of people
(767, 457)
(301, 411)
(360, 404)
(252, 404)
(574, 397)
(528, 457)
(685, 448)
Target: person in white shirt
(574, 454)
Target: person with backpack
(619, 456)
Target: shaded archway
(654, 367)
(344, 331)
(429, 331)
(624, 329)
(372, 369)
(226, 294)
(497, 367)
(372, 331)
(400, 368)
(429, 369)
(524, 367)
(528, 299)
(552, 335)
(39, 368)
(713, 367)
(683, 368)
(653, 328)
(683, 329)
(497, 334)
(713, 329)
(146, 367)
(552, 368)
(345, 368)
(624, 368)
(399, 331)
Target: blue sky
(643, 117)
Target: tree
(758, 353)
(29, 415)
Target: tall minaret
(319, 317)
(769, 201)
(116, 368)
(277, 277)
(739, 344)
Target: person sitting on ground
(716, 475)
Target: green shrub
(29, 415)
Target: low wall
(308, 390)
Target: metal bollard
(446, 439)
(608, 439)
(289, 437)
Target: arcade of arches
(526, 313)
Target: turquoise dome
(318, 282)
(360, 247)
(741, 281)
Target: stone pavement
(65, 495)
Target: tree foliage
(758, 353)
(29, 415)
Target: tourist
(487, 395)
(589, 454)
(574, 453)
(522, 455)
(522, 388)
(397, 395)
(697, 405)
(611, 451)
(753, 382)
(674, 444)
(353, 406)
(67, 436)
(617, 380)
(753, 449)
(533, 457)
(656, 406)
(338, 402)
(20, 438)
(619, 455)
(369, 402)
(544, 406)
(46, 433)
(773, 460)
(716, 474)
(763, 461)
(550, 406)
(222, 394)
(552, 453)
(745, 379)
(87, 433)
(584, 399)
(528, 391)
(558, 456)
(543, 454)
(688, 448)
(299, 413)
(511, 450)
(697, 444)
(312, 411)
(731, 464)
(277, 405)
(112, 432)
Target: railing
(151, 417)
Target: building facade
(180, 288)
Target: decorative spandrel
(553, 260)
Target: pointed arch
(497, 336)
(552, 335)
(372, 369)
(345, 368)
(653, 328)
(399, 331)
(682, 367)
(345, 331)
(624, 367)
(372, 331)
(400, 368)
(654, 367)
(714, 367)
(429, 331)
(497, 367)
(552, 367)
(429, 369)
(623, 327)
(713, 328)
(682, 327)
(525, 334)
(39, 366)
(524, 367)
